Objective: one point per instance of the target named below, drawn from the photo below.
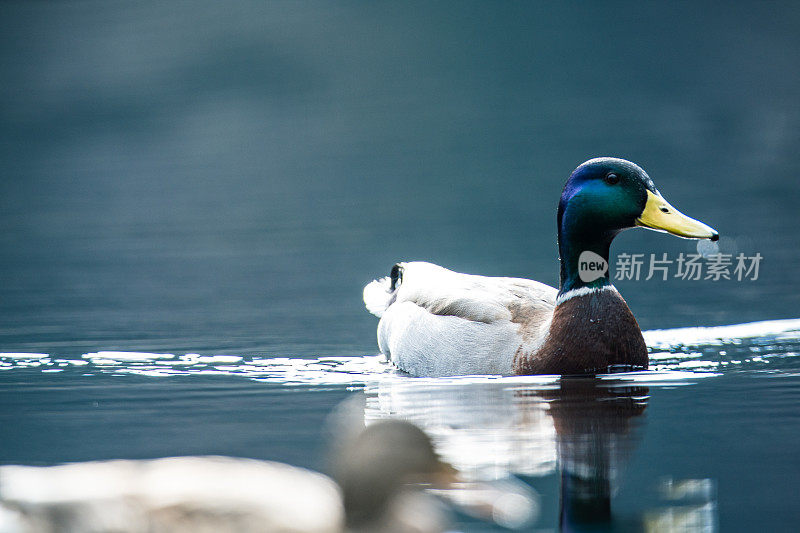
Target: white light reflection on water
(665, 339)
(677, 355)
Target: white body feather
(442, 323)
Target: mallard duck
(436, 322)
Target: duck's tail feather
(377, 296)
(380, 293)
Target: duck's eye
(611, 178)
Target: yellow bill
(659, 215)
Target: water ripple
(678, 356)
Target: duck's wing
(438, 322)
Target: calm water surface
(216, 184)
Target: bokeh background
(226, 176)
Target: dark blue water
(224, 179)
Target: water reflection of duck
(485, 430)
(593, 427)
(380, 474)
(583, 428)
(435, 322)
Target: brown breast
(588, 334)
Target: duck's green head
(604, 196)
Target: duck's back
(436, 322)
